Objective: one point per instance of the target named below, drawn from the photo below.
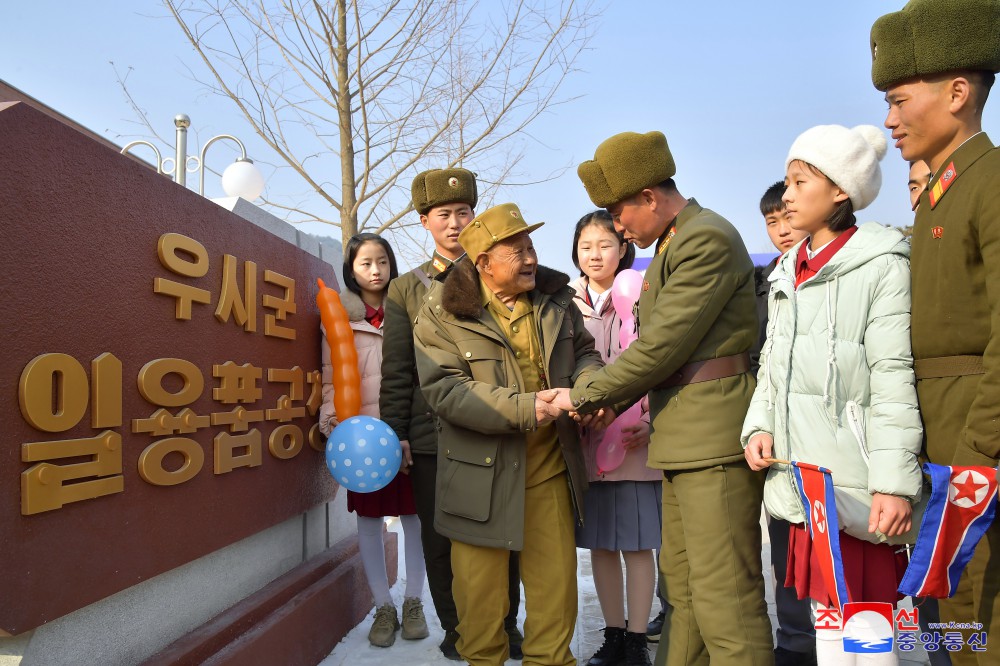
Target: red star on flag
(819, 513)
(967, 489)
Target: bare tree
(357, 96)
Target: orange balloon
(343, 355)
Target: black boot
(636, 653)
(612, 653)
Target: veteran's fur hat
(934, 36)
(626, 164)
(491, 227)
(443, 186)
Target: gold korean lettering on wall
(56, 393)
(188, 258)
(53, 393)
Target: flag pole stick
(777, 460)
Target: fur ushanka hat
(443, 186)
(626, 164)
(934, 36)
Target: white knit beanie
(848, 157)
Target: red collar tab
(949, 176)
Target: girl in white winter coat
(369, 265)
(836, 386)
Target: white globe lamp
(243, 179)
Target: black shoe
(514, 640)
(636, 652)
(448, 648)
(612, 653)
(655, 628)
(785, 657)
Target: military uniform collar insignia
(948, 176)
(661, 245)
(964, 156)
(439, 264)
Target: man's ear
(483, 264)
(648, 198)
(960, 94)
(423, 221)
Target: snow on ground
(354, 649)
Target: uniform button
(510, 543)
(514, 386)
(515, 464)
(489, 460)
(514, 328)
(468, 354)
(517, 355)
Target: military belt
(707, 370)
(948, 366)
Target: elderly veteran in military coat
(491, 341)
(697, 323)
(445, 199)
(936, 61)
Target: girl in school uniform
(836, 385)
(369, 265)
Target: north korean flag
(816, 491)
(961, 507)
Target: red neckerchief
(805, 267)
(374, 316)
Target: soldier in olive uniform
(936, 61)
(445, 200)
(697, 323)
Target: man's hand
(407, 461)
(890, 515)
(545, 408)
(759, 447)
(635, 436)
(598, 420)
(561, 399)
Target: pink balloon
(611, 452)
(625, 291)
(624, 295)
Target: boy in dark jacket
(796, 637)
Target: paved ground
(354, 650)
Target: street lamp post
(240, 179)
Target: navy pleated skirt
(621, 515)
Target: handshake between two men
(550, 403)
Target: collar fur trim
(461, 296)
(353, 304)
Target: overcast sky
(730, 84)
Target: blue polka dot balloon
(363, 454)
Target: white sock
(373, 558)
(416, 568)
